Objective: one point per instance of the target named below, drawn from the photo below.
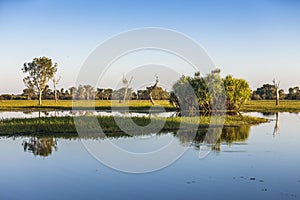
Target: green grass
(136, 105)
(269, 106)
(81, 104)
(65, 125)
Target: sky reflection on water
(253, 165)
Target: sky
(257, 40)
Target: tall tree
(126, 84)
(39, 71)
(276, 85)
(55, 83)
(150, 90)
(80, 92)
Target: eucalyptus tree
(276, 85)
(39, 72)
(55, 83)
(126, 84)
(150, 90)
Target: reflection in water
(44, 146)
(228, 135)
(40, 146)
(61, 113)
(276, 128)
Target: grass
(269, 106)
(138, 105)
(65, 125)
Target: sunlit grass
(269, 106)
(68, 104)
(66, 125)
(250, 106)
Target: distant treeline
(87, 92)
(268, 92)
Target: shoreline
(66, 125)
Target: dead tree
(276, 85)
(55, 82)
(126, 85)
(150, 90)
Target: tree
(40, 71)
(211, 92)
(73, 91)
(294, 93)
(126, 85)
(107, 93)
(276, 85)
(267, 92)
(80, 92)
(237, 92)
(150, 90)
(29, 92)
(119, 94)
(55, 82)
(89, 92)
(182, 97)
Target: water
(255, 163)
(60, 113)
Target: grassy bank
(65, 125)
(269, 106)
(134, 105)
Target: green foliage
(211, 92)
(267, 92)
(65, 125)
(158, 93)
(294, 93)
(182, 97)
(269, 106)
(119, 94)
(237, 92)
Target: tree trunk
(150, 90)
(151, 98)
(125, 93)
(40, 97)
(277, 97)
(55, 94)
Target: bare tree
(126, 84)
(55, 82)
(276, 85)
(150, 90)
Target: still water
(259, 162)
(61, 113)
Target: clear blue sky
(257, 40)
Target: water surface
(249, 163)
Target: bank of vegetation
(66, 125)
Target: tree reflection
(276, 127)
(228, 135)
(40, 146)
